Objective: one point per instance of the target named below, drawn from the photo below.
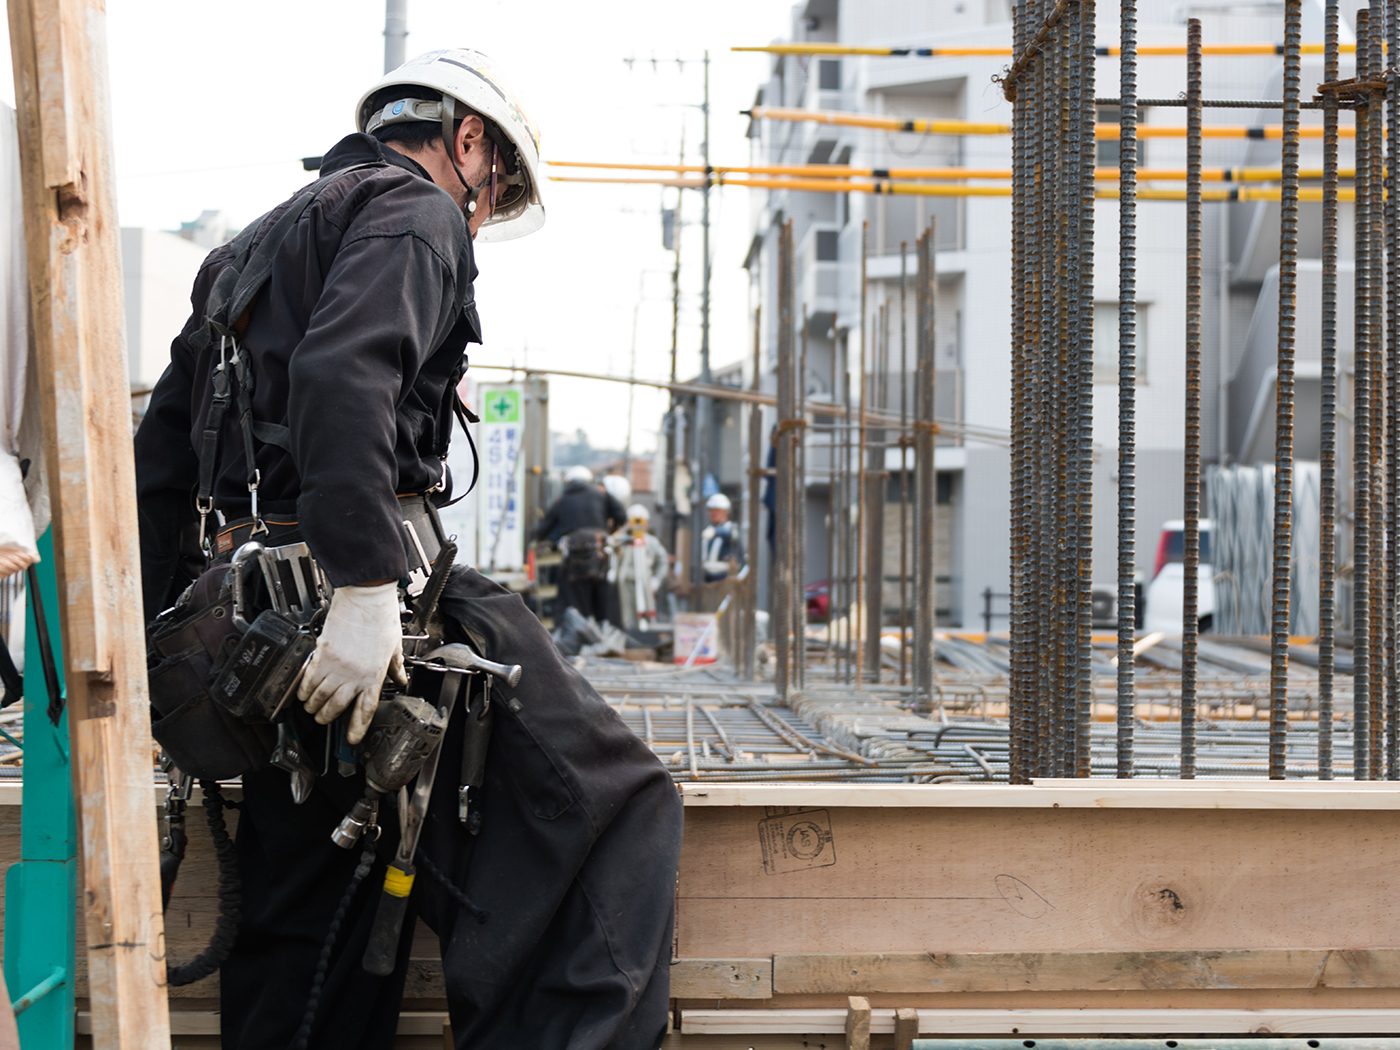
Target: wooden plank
(835, 973)
(1079, 794)
(906, 1027)
(1005, 880)
(59, 55)
(722, 979)
(857, 1023)
(1050, 1022)
(206, 1022)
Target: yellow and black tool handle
(382, 952)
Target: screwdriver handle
(382, 952)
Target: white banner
(500, 523)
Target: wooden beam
(60, 64)
(1057, 794)
(1071, 971)
(915, 879)
(1027, 1023)
(722, 979)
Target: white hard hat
(637, 512)
(578, 474)
(470, 78)
(618, 487)
(719, 501)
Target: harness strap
(226, 310)
(466, 417)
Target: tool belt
(422, 534)
(585, 555)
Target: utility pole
(706, 447)
(669, 488)
(395, 33)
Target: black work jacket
(357, 342)
(581, 506)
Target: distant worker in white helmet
(301, 433)
(721, 549)
(579, 523)
(641, 569)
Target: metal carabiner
(259, 526)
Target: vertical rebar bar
(831, 504)
(1087, 149)
(925, 480)
(799, 514)
(1283, 410)
(782, 518)
(749, 641)
(1066, 254)
(1375, 211)
(1018, 693)
(1392, 404)
(1127, 377)
(1361, 442)
(1327, 567)
(875, 517)
(847, 525)
(1043, 555)
(862, 614)
(904, 464)
(1191, 556)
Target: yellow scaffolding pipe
(966, 127)
(1144, 51)
(1240, 193)
(838, 171)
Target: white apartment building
(974, 260)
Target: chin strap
(449, 109)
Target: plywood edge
(822, 1021)
(1092, 794)
(1082, 971)
(722, 979)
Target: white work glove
(361, 642)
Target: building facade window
(827, 241)
(829, 74)
(1106, 343)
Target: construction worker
(722, 551)
(578, 523)
(641, 564)
(347, 359)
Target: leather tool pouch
(189, 645)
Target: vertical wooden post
(60, 64)
(857, 1019)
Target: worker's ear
(471, 134)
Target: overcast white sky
(215, 102)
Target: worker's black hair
(412, 135)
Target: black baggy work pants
(574, 865)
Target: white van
(1164, 593)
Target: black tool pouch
(202, 738)
(187, 645)
(587, 558)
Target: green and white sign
(500, 523)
